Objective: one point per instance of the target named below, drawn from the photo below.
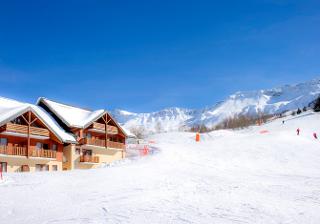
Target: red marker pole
(1, 171)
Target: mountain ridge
(268, 101)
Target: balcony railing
(13, 150)
(102, 143)
(89, 159)
(101, 127)
(44, 153)
(96, 142)
(22, 151)
(23, 129)
(117, 145)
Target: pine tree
(304, 109)
(316, 106)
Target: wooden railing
(102, 143)
(117, 145)
(13, 150)
(22, 151)
(96, 142)
(89, 159)
(111, 129)
(23, 129)
(44, 153)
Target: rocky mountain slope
(271, 101)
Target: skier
(315, 135)
(298, 131)
(282, 122)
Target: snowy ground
(230, 177)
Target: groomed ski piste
(262, 174)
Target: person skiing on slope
(315, 135)
(282, 122)
(298, 131)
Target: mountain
(271, 101)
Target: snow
(229, 177)
(271, 101)
(128, 133)
(10, 109)
(72, 116)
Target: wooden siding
(101, 143)
(101, 127)
(23, 129)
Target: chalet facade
(30, 139)
(100, 139)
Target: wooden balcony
(112, 130)
(22, 151)
(23, 129)
(116, 145)
(95, 142)
(43, 153)
(89, 159)
(13, 150)
(102, 143)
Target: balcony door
(3, 167)
(39, 146)
(3, 141)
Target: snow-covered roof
(70, 115)
(10, 109)
(128, 133)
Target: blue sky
(146, 55)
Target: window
(87, 152)
(38, 167)
(77, 151)
(39, 145)
(54, 147)
(42, 167)
(45, 168)
(3, 141)
(25, 168)
(89, 135)
(45, 146)
(54, 167)
(17, 121)
(3, 167)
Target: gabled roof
(128, 133)
(10, 109)
(73, 117)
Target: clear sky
(146, 55)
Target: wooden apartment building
(100, 139)
(51, 136)
(30, 140)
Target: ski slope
(229, 177)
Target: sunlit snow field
(229, 177)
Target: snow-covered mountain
(271, 101)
